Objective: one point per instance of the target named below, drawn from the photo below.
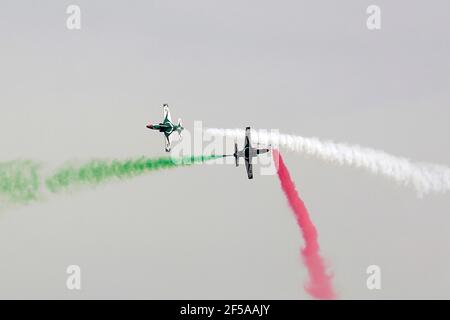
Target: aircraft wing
(166, 113)
(248, 137)
(249, 167)
(167, 136)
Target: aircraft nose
(149, 126)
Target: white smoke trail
(424, 177)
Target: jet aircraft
(248, 153)
(167, 127)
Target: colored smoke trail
(19, 181)
(319, 285)
(424, 177)
(22, 181)
(99, 171)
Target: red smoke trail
(319, 285)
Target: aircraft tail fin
(236, 158)
(180, 128)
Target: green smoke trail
(19, 181)
(99, 171)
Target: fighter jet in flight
(167, 127)
(248, 153)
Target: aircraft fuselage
(163, 127)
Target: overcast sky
(306, 67)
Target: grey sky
(306, 67)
